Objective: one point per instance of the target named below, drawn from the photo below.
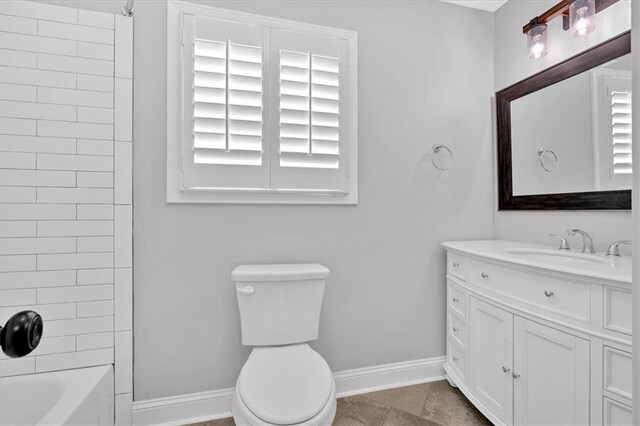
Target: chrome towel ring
(441, 157)
(548, 159)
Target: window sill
(260, 196)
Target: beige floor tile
(437, 403)
(401, 418)
(228, 421)
(446, 405)
(360, 411)
(409, 399)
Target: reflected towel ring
(443, 163)
(548, 159)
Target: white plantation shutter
(311, 112)
(259, 109)
(223, 94)
(621, 131)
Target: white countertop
(617, 269)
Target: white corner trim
(203, 406)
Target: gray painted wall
(512, 65)
(425, 76)
(385, 299)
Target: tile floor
(429, 404)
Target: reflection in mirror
(575, 135)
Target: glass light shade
(582, 17)
(537, 41)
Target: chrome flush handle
(247, 290)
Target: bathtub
(72, 397)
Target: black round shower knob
(21, 334)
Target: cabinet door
(551, 376)
(490, 357)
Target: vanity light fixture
(582, 17)
(537, 39)
(578, 17)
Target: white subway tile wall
(65, 186)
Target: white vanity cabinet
(490, 367)
(551, 375)
(532, 341)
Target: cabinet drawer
(617, 310)
(563, 298)
(457, 359)
(457, 265)
(617, 372)
(457, 330)
(457, 300)
(616, 414)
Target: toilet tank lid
(288, 272)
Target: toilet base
(244, 417)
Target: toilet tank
(279, 304)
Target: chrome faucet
(614, 249)
(564, 244)
(587, 241)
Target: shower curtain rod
(127, 10)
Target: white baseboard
(203, 406)
(183, 409)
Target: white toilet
(284, 381)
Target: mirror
(564, 135)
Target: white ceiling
(490, 5)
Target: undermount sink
(561, 256)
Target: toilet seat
(285, 385)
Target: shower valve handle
(21, 334)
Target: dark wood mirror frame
(596, 200)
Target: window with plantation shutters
(260, 110)
(621, 131)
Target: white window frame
(176, 192)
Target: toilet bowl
(284, 381)
(285, 385)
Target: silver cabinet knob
(456, 329)
(548, 293)
(455, 359)
(456, 264)
(505, 369)
(455, 299)
(515, 375)
(484, 275)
